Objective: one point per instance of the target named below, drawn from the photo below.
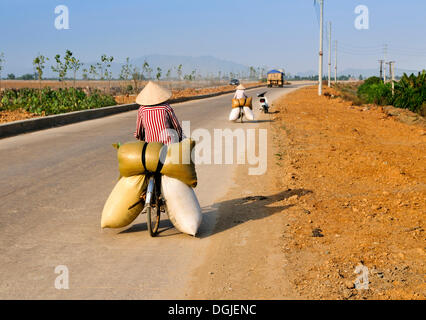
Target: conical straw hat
(153, 94)
(241, 87)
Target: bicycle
(154, 203)
(241, 115)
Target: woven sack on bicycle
(182, 204)
(126, 193)
(234, 114)
(174, 160)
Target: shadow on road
(228, 214)
(166, 228)
(237, 211)
(257, 121)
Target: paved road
(53, 185)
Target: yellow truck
(275, 78)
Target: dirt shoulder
(15, 115)
(345, 187)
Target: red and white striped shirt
(158, 124)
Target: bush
(373, 90)
(410, 92)
(372, 80)
(50, 101)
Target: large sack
(130, 157)
(248, 102)
(243, 102)
(176, 160)
(234, 114)
(235, 103)
(182, 204)
(248, 113)
(127, 191)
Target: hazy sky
(276, 33)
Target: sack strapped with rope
(243, 102)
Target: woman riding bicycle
(156, 120)
(240, 92)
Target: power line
(359, 47)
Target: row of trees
(69, 62)
(101, 70)
(129, 71)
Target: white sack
(248, 113)
(235, 112)
(182, 205)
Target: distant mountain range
(204, 65)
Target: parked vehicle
(264, 106)
(275, 78)
(234, 82)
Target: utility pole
(385, 50)
(390, 67)
(381, 68)
(321, 48)
(329, 54)
(335, 65)
(392, 74)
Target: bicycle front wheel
(152, 220)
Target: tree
(135, 77)
(11, 76)
(158, 75)
(252, 73)
(93, 71)
(125, 71)
(85, 72)
(62, 67)
(27, 76)
(146, 70)
(168, 74)
(1, 65)
(179, 71)
(190, 76)
(38, 63)
(106, 61)
(74, 65)
(104, 68)
(262, 72)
